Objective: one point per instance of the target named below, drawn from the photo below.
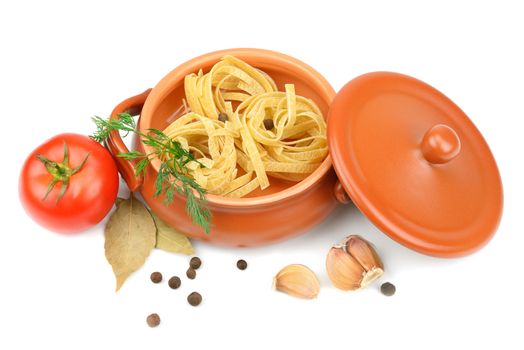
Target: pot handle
(340, 193)
(115, 145)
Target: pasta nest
(242, 130)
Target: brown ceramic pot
(283, 210)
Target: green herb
(173, 175)
(124, 122)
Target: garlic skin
(353, 264)
(298, 281)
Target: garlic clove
(344, 271)
(364, 252)
(297, 280)
(354, 264)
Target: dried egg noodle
(238, 155)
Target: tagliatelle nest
(239, 154)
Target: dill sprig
(125, 122)
(173, 174)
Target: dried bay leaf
(169, 239)
(130, 235)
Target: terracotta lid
(414, 164)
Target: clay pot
(283, 210)
(409, 158)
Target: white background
(61, 63)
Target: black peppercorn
(388, 289)
(222, 117)
(241, 264)
(191, 273)
(195, 262)
(156, 277)
(174, 282)
(153, 320)
(194, 299)
(268, 124)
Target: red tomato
(80, 194)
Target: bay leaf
(171, 240)
(130, 235)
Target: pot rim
(270, 58)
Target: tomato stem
(61, 172)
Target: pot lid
(414, 164)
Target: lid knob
(440, 144)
